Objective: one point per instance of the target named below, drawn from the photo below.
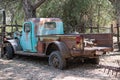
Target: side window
(50, 25)
(27, 27)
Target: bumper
(90, 51)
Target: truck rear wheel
(95, 60)
(56, 60)
(8, 51)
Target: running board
(30, 54)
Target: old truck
(44, 37)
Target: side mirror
(17, 34)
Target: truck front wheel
(56, 60)
(8, 51)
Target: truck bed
(104, 43)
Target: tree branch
(112, 1)
(40, 2)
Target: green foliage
(76, 14)
(13, 10)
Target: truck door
(26, 40)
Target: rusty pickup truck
(44, 37)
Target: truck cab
(38, 27)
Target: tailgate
(102, 40)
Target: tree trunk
(116, 4)
(29, 9)
(118, 11)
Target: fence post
(118, 33)
(111, 28)
(3, 32)
(118, 40)
(16, 25)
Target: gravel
(32, 68)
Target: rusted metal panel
(40, 47)
(103, 40)
(61, 46)
(70, 41)
(39, 23)
(90, 52)
(111, 69)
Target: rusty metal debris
(111, 69)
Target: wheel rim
(55, 61)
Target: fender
(14, 44)
(65, 52)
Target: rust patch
(36, 29)
(103, 40)
(40, 46)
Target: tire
(56, 60)
(92, 60)
(95, 60)
(8, 51)
(1, 55)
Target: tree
(10, 9)
(78, 14)
(30, 9)
(116, 4)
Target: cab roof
(42, 20)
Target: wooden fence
(9, 29)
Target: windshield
(50, 25)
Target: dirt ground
(32, 68)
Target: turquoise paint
(59, 29)
(29, 44)
(28, 41)
(34, 38)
